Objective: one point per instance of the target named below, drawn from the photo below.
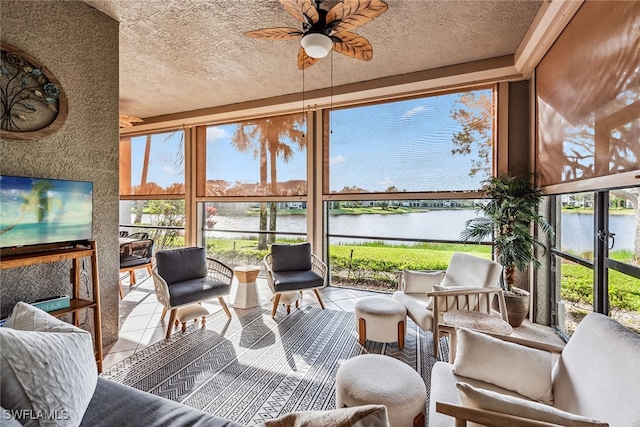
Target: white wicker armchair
(295, 269)
(186, 276)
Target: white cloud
(415, 111)
(386, 183)
(337, 159)
(168, 170)
(216, 132)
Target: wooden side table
(247, 294)
(475, 320)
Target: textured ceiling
(184, 55)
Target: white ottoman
(288, 298)
(381, 319)
(383, 380)
(193, 311)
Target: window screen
(152, 164)
(588, 96)
(436, 143)
(261, 157)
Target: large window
(162, 220)
(436, 143)
(152, 164)
(371, 241)
(234, 232)
(419, 162)
(261, 157)
(623, 260)
(597, 262)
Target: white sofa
(453, 289)
(596, 376)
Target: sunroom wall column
(314, 182)
(191, 135)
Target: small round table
(475, 320)
(247, 294)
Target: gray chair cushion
(291, 257)
(115, 404)
(178, 265)
(194, 290)
(296, 280)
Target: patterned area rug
(252, 368)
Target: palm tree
(508, 216)
(143, 179)
(269, 133)
(37, 203)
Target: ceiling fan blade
(354, 46)
(279, 33)
(299, 8)
(304, 60)
(127, 121)
(354, 13)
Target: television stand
(75, 253)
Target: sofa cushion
(198, 289)
(515, 367)
(496, 402)
(178, 265)
(296, 280)
(291, 257)
(47, 367)
(416, 282)
(115, 404)
(598, 374)
(358, 416)
(443, 389)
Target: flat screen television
(38, 211)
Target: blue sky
(406, 144)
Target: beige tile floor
(141, 325)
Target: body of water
(577, 229)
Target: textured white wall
(79, 45)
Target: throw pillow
(419, 282)
(358, 416)
(491, 401)
(525, 370)
(48, 368)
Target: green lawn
(374, 265)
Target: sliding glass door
(596, 257)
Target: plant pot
(517, 303)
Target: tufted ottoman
(383, 380)
(381, 319)
(193, 311)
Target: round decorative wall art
(32, 102)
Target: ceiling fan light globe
(317, 45)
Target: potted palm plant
(509, 214)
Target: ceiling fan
(323, 30)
